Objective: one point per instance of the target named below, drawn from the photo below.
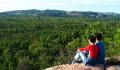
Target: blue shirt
(101, 55)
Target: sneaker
(75, 61)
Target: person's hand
(77, 50)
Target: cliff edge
(83, 67)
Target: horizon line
(61, 10)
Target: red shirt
(93, 50)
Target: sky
(67, 5)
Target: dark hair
(92, 39)
(98, 36)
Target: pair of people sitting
(93, 53)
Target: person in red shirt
(91, 48)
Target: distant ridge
(59, 13)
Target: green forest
(37, 42)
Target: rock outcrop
(83, 67)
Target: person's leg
(77, 58)
(83, 57)
(80, 55)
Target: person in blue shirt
(100, 44)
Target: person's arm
(85, 48)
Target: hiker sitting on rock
(93, 53)
(100, 45)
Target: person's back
(93, 52)
(101, 55)
(100, 44)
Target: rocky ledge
(83, 67)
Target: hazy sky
(68, 5)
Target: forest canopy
(37, 42)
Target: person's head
(91, 39)
(98, 36)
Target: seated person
(100, 45)
(93, 52)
